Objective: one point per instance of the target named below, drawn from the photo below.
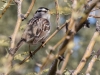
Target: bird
(37, 29)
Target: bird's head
(43, 13)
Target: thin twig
(29, 9)
(95, 9)
(94, 16)
(5, 9)
(57, 12)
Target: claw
(43, 44)
(30, 53)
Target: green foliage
(21, 56)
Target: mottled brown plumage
(36, 31)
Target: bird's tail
(13, 51)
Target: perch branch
(42, 45)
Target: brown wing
(37, 30)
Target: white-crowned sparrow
(38, 27)
(37, 30)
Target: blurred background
(81, 39)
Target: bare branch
(74, 26)
(65, 62)
(29, 10)
(16, 27)
(8, 65)
(57, 12)
(53, 68)
(86, 54)
(5, 9)
(42, 45)
(92, 62)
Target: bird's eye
(39, 11)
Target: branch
(13, 37)
(90, 46)
(5, 9)
(86, 54)
(53, 68)
(71, 32)
(52, 50)
(92, 62)
(29, 10)
(65, 62)
(94, 16)
(57, 12)
(8, 65)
